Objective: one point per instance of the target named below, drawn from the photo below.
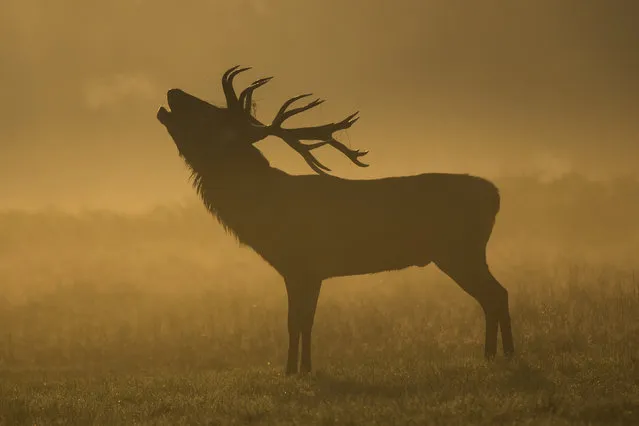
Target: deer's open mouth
(163, 115)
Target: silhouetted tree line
(570, 210)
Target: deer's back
(336, 226)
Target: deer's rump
(339, 227)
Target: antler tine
(246, 97)
(278, 117)
(225, 76)
(352, 154)
(286, 115)
(305, 152)
(324, 132)
(232, 102)
(283, 114)
(348, 121)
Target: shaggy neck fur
(232, 189)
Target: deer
(314, 227)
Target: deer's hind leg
(471, 272)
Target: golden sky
(495, 87)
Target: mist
(123, 301)
(544, 88)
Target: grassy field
(103, 325)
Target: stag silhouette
(314, 227)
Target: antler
(292, 137)
(323, 133)
(245, 101)
(246, 97)
(232, 102)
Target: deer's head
(206, 134)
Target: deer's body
(310, 228)
(328, 227)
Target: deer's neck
(236, 195)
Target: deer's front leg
(311, 295)
(294, 328)
(302, 303)
(293, 334)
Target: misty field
(106, 319)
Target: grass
(134, 334)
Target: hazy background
(499, 88)
(127, 307)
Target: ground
(397, 348)
(128, 332)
